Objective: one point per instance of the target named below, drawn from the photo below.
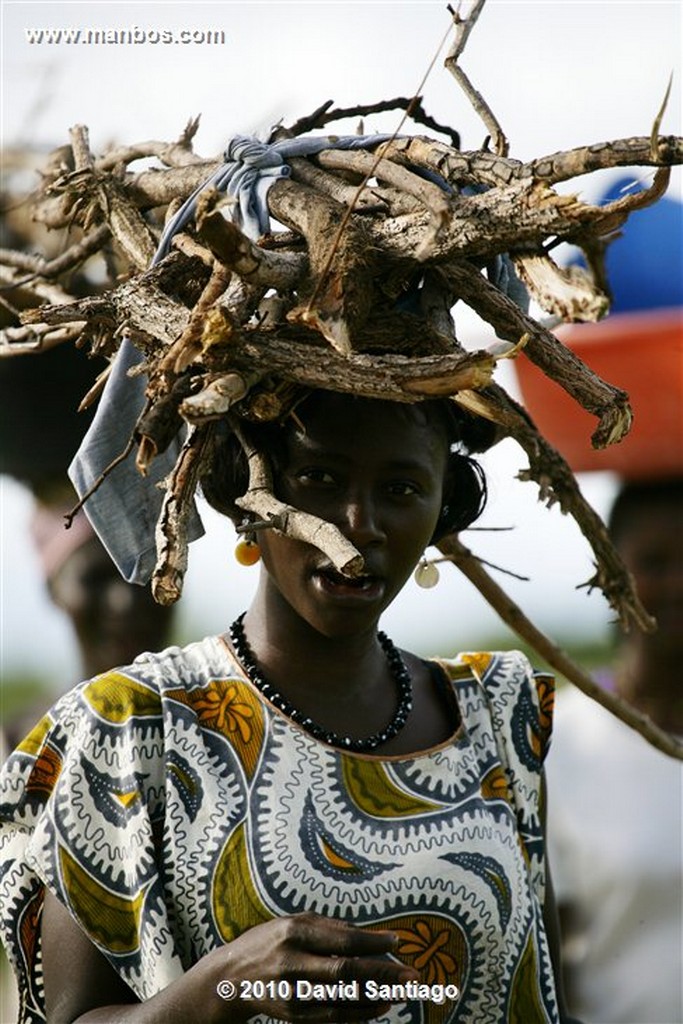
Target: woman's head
(384, 473)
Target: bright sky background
(557, 74)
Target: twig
(171, 532)
(491, 565)
(658, 119)
(463, 28)
(80, 145)
(15, 341)
(413, 106)
(48, 269)
(512, 614)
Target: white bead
(426, 575)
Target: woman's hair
(464, 492)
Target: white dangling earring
(426, 574)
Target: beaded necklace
(397, 668)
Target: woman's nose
(360, 520)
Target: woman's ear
(464, 495)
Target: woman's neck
(297, 658)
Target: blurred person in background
(615, 811)
(40, 429)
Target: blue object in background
(645, 265)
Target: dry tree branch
(543, 348)
(17, 341)
(46, 270)
(455, 551)
(397, 378)
(23, 289)
(428, 194)
(557, 483)
(255, 265)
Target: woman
(217, 831)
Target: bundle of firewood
(355, 291)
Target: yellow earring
(247, 551)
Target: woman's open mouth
(332, 583)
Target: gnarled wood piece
(171, 532)
(604, 400)
(557, 483)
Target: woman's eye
(403, 488)
(315, 475)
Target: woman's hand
(272, 967)
(82, 987)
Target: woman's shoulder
(133, 694)
(174, 664)
(505, 687)
(491, 668)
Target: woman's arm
(81, 986)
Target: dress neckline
(439, 676)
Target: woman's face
(377, 472)
(651, 546)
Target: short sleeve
(82, 812)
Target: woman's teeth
(337, 579)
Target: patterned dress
(170, 808)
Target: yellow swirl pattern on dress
(112, 921)
(374, 793)
(236, 904)
(336, 859)
(32, 742)
(117, 698)
(479, 661)
(545, 688)
(494, 785)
